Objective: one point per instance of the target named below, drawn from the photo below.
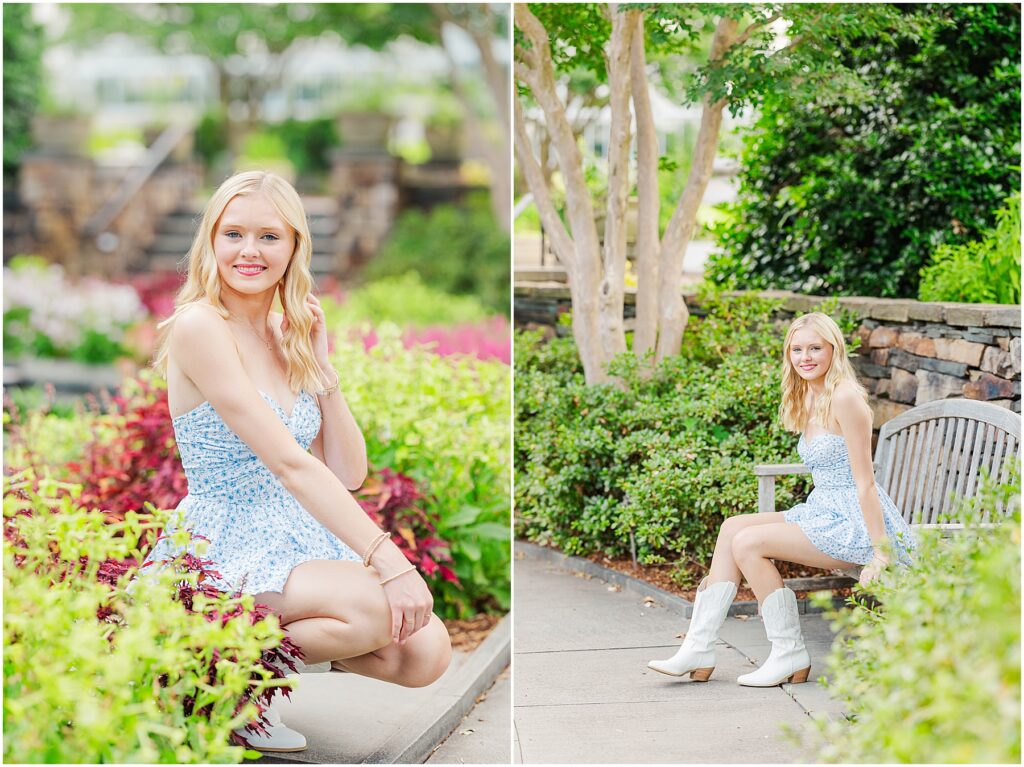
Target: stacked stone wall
(910, 352)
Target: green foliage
(83, 688)
(986, 271)
(403, 300)
(848, 190)
(663, 458)
(308, 143)
(931, 675)
(23, 55)
(458, 249)
(211, 136)
(444, 421)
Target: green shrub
(932, 674)
(403, 300)
(457, 249)
(850, 195)
(981, 272)
(211, 136)
(308, 143)
(96, 673)
(660, 459)
(444, 421)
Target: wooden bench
(926, 459)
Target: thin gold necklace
(259, 335)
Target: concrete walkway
(485, 735)
(351, 719)
(583, 693)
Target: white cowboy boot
(788, 660)
(280, 738)
(696, 656)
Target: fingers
(396, 623)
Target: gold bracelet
(396, 575)
(374, 545)
(331, 389)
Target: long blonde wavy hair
(792, 413)
(203, 280)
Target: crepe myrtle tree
(720, 56)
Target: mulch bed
(660, 576)
(468, 633)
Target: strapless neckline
(273, 403)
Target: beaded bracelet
(331, 389)
(392, 577)
(374, 545)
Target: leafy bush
(23, 72)
(850, 195)
(95, 671)
(46, 315)
(126, 458)
(308, 143)
(403, 299)
(658, 460)
(982, 272)
(444, 421)
(457, 249)
(211, 136)
(932, 673)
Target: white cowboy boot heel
(788, 660)
(280, 738)
(696, 656)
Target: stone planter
(445, 141)
(65, 135)
(66, 376)
(364, 132)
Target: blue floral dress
(831, 517)
(257, 530)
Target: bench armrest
(766, 474)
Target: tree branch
(561, 242)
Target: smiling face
(810, 354)
(253, 244)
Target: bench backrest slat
(934, 454)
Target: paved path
(352, 719)
(483, 737)
(583, 692)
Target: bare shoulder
(849, 404)
(197, 322)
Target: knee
(746, 545)
(426, 659)
(730, 527)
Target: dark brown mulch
(468, 633)
(660, 576)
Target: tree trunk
(649, 202)
(584, 265)
(673, 314)
(610, 301)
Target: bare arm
(340, 443)
(204, 348)
(854, 418)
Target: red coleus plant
(391, 500)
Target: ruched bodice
(219, 465)
(257, 531)
(831, 517)
(829, 465)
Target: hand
(411, 605)
(317, 333)
(872, 569)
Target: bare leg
(421, 660)
(754, 547)
(338, 611)
(723, 564)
